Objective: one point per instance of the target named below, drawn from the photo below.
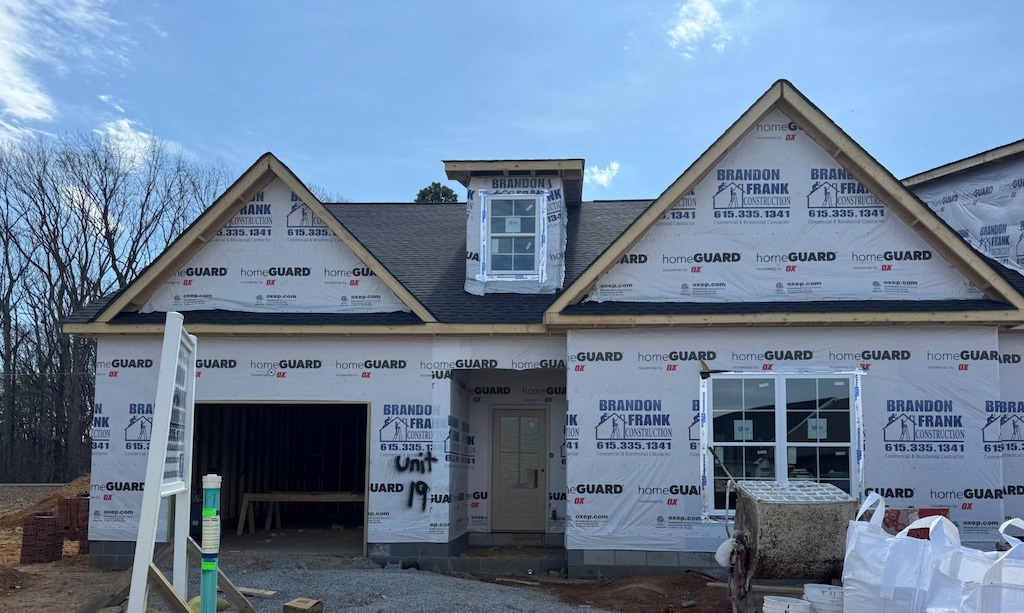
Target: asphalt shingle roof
(424, 247)
(90, 311)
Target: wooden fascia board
(462, 170)
(241, 330)
(999, 153)
(897, 198)
(293, 183)
(494, 165)
(557, 323)
(1007, 318)
(679, 188)
(186, 246)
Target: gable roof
(424, 247)
(997, 154)
(784, 96)
(258, 176)
(419, 251)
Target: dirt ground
(43, 588)
(46, 588)
(67, 584)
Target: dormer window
(516, 212)
(513, 235)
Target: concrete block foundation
(611, 563)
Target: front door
(518, 477)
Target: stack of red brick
(43, 535)
(73, 515)
(40, 539)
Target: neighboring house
(856, 339)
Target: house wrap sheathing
(533, 365)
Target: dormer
(516, 213)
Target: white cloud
(601, 176)
(112, 102)
(47, 33)
(152, 26)
(696, 21)
(128, 136)
(9, 131)
(77, 199)
(134, 141)
(21, 95)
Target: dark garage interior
(270, 447)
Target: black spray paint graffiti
(422, 464)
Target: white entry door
(518, 477)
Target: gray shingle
(424, 247)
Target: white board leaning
(169, 465)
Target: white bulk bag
(957, 573)
(1001, 589)
(890, 574)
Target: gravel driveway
(360, 585)
(342, 583)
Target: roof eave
(570, 170)
(1010, 319)
(1002, 153)
(95, 329)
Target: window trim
(539, 272)
(707, 465)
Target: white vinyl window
(777, 427)
(514, 234)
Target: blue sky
(367, 98)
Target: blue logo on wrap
(1003, 429)
(904, 428)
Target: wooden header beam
(1009, 319)
(428, 329)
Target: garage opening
(289, 453)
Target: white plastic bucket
(824, 598)
(783, 604)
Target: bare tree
(13, 268)
(325, 195)
(80, 217)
